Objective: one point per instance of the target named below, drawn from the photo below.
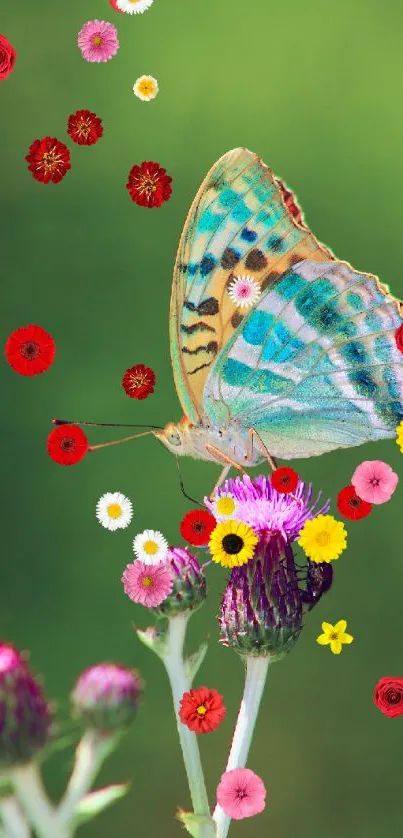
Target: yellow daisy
(224, 506)
(145, 88)
(334, 636)
(232, 543)
(323, 539)
(399, 441)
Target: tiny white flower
(114, 511)
(224, 506)
(244, 291)
(150, 547)
(145, 88)
(134, 7)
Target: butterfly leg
(228, 462)
(252, 434)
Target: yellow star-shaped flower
(334, 636)
(399, 440)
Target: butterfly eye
(175, 438)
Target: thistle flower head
(106, 696)
(190, 588)
(25, 718)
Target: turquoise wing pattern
(314, 366)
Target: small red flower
(48, 160)
(284, 480)
(149, 185)
(388, 696)
(350, 505)
(196, 527)
(202, 710)
(30, 350)
(85, 127)
(67, 445)
(138, 381)
(7, 57)
(114, 6)
(399, 337)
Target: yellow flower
(323, 539)
(146, 88)
(399, 441)
(225, 505)
(232, 543)
(335, 636)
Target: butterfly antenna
(184, 493)
(105, 424)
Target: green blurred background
(315, 89)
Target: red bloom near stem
(202, 710)
(7, 57)
(48, 160)
(196, 527)
(388, 696)
(30, 350)
(67, 445)
(85, 127)
(138, 381)
(351, 506)
(149, 185)
(284, 480)
(399, 337)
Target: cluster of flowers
(49, 159)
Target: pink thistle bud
(106, 696)
(25, 718)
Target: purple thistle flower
(24, 712)
(190, 587)
(106, 696)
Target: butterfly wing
(243, 221)
(314, 366)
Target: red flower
(48, 159)
(196, 527)
(284, 480)
(138, 381)
(149, 185)
(350, 505)
(84, 127)
(388, 696)
(67, 445)
(202, 710)
(30, 350)
(114, 6)
(399, 337)
(7, 57)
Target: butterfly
(309, 365)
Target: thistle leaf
(153, 639)
(194, 662)
(193, 822)
(96, 801)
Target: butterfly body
(207, 442)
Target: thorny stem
(256, 673)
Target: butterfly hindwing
(243, 221)
(314, 366)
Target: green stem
(28, 785)
(91, 752)
(256, 673)
(13, 819)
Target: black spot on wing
(230, 258)
(201, 367)
(211, 348)
(256, 260)
(196, 327)
(208, 306)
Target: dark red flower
(7, 57)
(48, 160)
(284, 480)
(114, 6)
(202, 710)
(350, 505)
(30, 350)
(149, 185)
(138, 381)
(399, 337)
(67, 445)
(85, 127)
(196, 527)
(388, 696)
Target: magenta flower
(148, 584)
(106, 696)
(241, 793)
(98, 41)
(374, 481)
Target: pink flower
(148, 584)
(241, 793)
(98, 40)
(374, 481)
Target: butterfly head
(175, 437)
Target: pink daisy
(244, 291)
(374, 481)
(148, 584)
(241, 793)
(98, 40)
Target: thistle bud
(190, 588)
(25, 718)
(106, 696)
(261, 610)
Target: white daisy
(244, 291)
(150, 547)
(134, 7)
(146, 88)
(224, 506)
(114, 511)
